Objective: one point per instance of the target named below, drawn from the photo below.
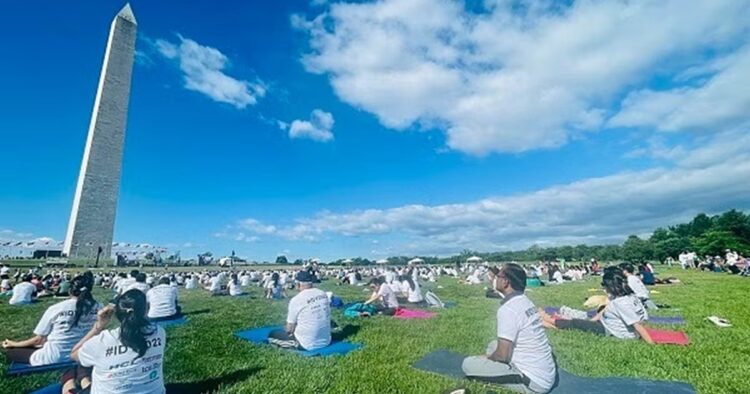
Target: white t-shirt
(119, 370)
(162, 301)
(390, 276)
(4, 270)
(235, 289)
(638, 287)
(61, 337)
(22, 293)
(124, 284)
(558, 277)
(518, 321)
(389, 297)
(352, 278)
(310, 310)
(192, 283)
(621, 314)
(5, 285)
(215, 284)
(245, 280)
(142, 286)
(413, 295)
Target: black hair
(164, 280)
(131, 309)
(275, 278)
(495, 271)
(615, 283)
(28, 278)
(377, 281)
(80, 288)
(141, 277)
(627, 267)
(410, 281)
(234, 279)
(134, 273)
(516, 275)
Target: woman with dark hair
(410, 287)
(274, 289)
(61, 327)
(235, 289)
(128, 359)
(622, 317)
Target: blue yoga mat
(174, 322)
(260, 336)
(651, 319)
(447, 363)
(22, 369)
(55, 388)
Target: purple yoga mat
(551, 310)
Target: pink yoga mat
(667, 337)
(406, 314)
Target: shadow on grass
(347, 331)
(211, 385)
(197, 312)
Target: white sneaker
(719, 321)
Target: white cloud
(720, 102)
(203, 70)
(710, 178)
(519, 75)
(318, 128)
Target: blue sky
(332, 130)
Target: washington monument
(92, 219)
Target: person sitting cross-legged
(388, 304)
(521, 357)
(308, 322)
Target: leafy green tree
(281, 260)
(715, 242)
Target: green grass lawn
(205, 351)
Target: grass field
(205, 355)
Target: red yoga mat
(667, 337)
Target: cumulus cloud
(318, 128)
(516, 76)
(204, 69)
(709, 178)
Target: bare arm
(35, 341)
(374, 297)
(503, 352)
(290, 328)
(643, 333)
(102, 320)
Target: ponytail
(80, 288)
(131, 308)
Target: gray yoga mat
(447, 363)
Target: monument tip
(127, 14)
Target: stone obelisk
(92, 220)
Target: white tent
(382, 261)
(416, 260)
(474, 259)
(347, 261)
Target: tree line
(704, 235)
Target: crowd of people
(75, 328)
(731, 262)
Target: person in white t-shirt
(162, 301)
(383, 297)
(128, 359)
(622, 318)
(4, 270)
(308, 322)
(5, 288)
(139, 284)
(60, 328)
(24, 292)
(635, 284)
(521, 357)
(274, 289)
(191, 282)
(411, 290)
(235, 289)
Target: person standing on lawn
(520, 358)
